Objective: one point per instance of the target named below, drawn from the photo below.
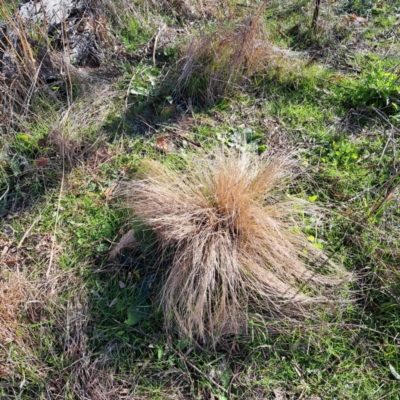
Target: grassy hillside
(80, 320)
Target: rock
(50, 12)
(71, 33)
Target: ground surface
(69, 321)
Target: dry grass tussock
(15, 343)
(236, 243)
(226, 57)
(72, 134)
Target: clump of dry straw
(235, 244)
(215, 62)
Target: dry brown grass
(15, 343)
(25, 308)
(28, 61)
(72, 135)
(37, 74)
(22, 305)
(236, 245)
(13, 295)
(226, 57)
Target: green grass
(99, 318)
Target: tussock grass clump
(225, 57)
(235, 243)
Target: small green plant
(378, 88)
(342, 155)
(133, 34)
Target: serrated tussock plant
(235, 242)
(216, 62)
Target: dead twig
(384, 118)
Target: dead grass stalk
(30, 67)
